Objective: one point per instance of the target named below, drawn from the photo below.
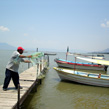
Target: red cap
(20, 48)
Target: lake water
(56, 94)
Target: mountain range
(106, 51)
(5, 46)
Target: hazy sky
(55, 24)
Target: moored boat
(83, 77)
(80, 65)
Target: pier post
(18, 102)
(48, 59)
(37, 50)
(28, 63)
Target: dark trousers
(8, 75)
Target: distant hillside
(106, 51)
(5, 46)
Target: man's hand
(29, 56)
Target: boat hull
(80, 66)
(84, 79)
(72, 65)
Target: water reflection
(72, 86)
(84, 96)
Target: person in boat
(13, 66)
(105, 68)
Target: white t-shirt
(14, 62)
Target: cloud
(25, 34)
(2, 28)
(105, 25)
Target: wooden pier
(12, 98)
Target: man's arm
(22, 56)
(27, 61)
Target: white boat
(103, 62)
(83, 77)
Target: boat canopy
(103, 62)
(89, 56)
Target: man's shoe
(4, 89)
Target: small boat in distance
(80, 65)
(83, 77)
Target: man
(13, 66)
